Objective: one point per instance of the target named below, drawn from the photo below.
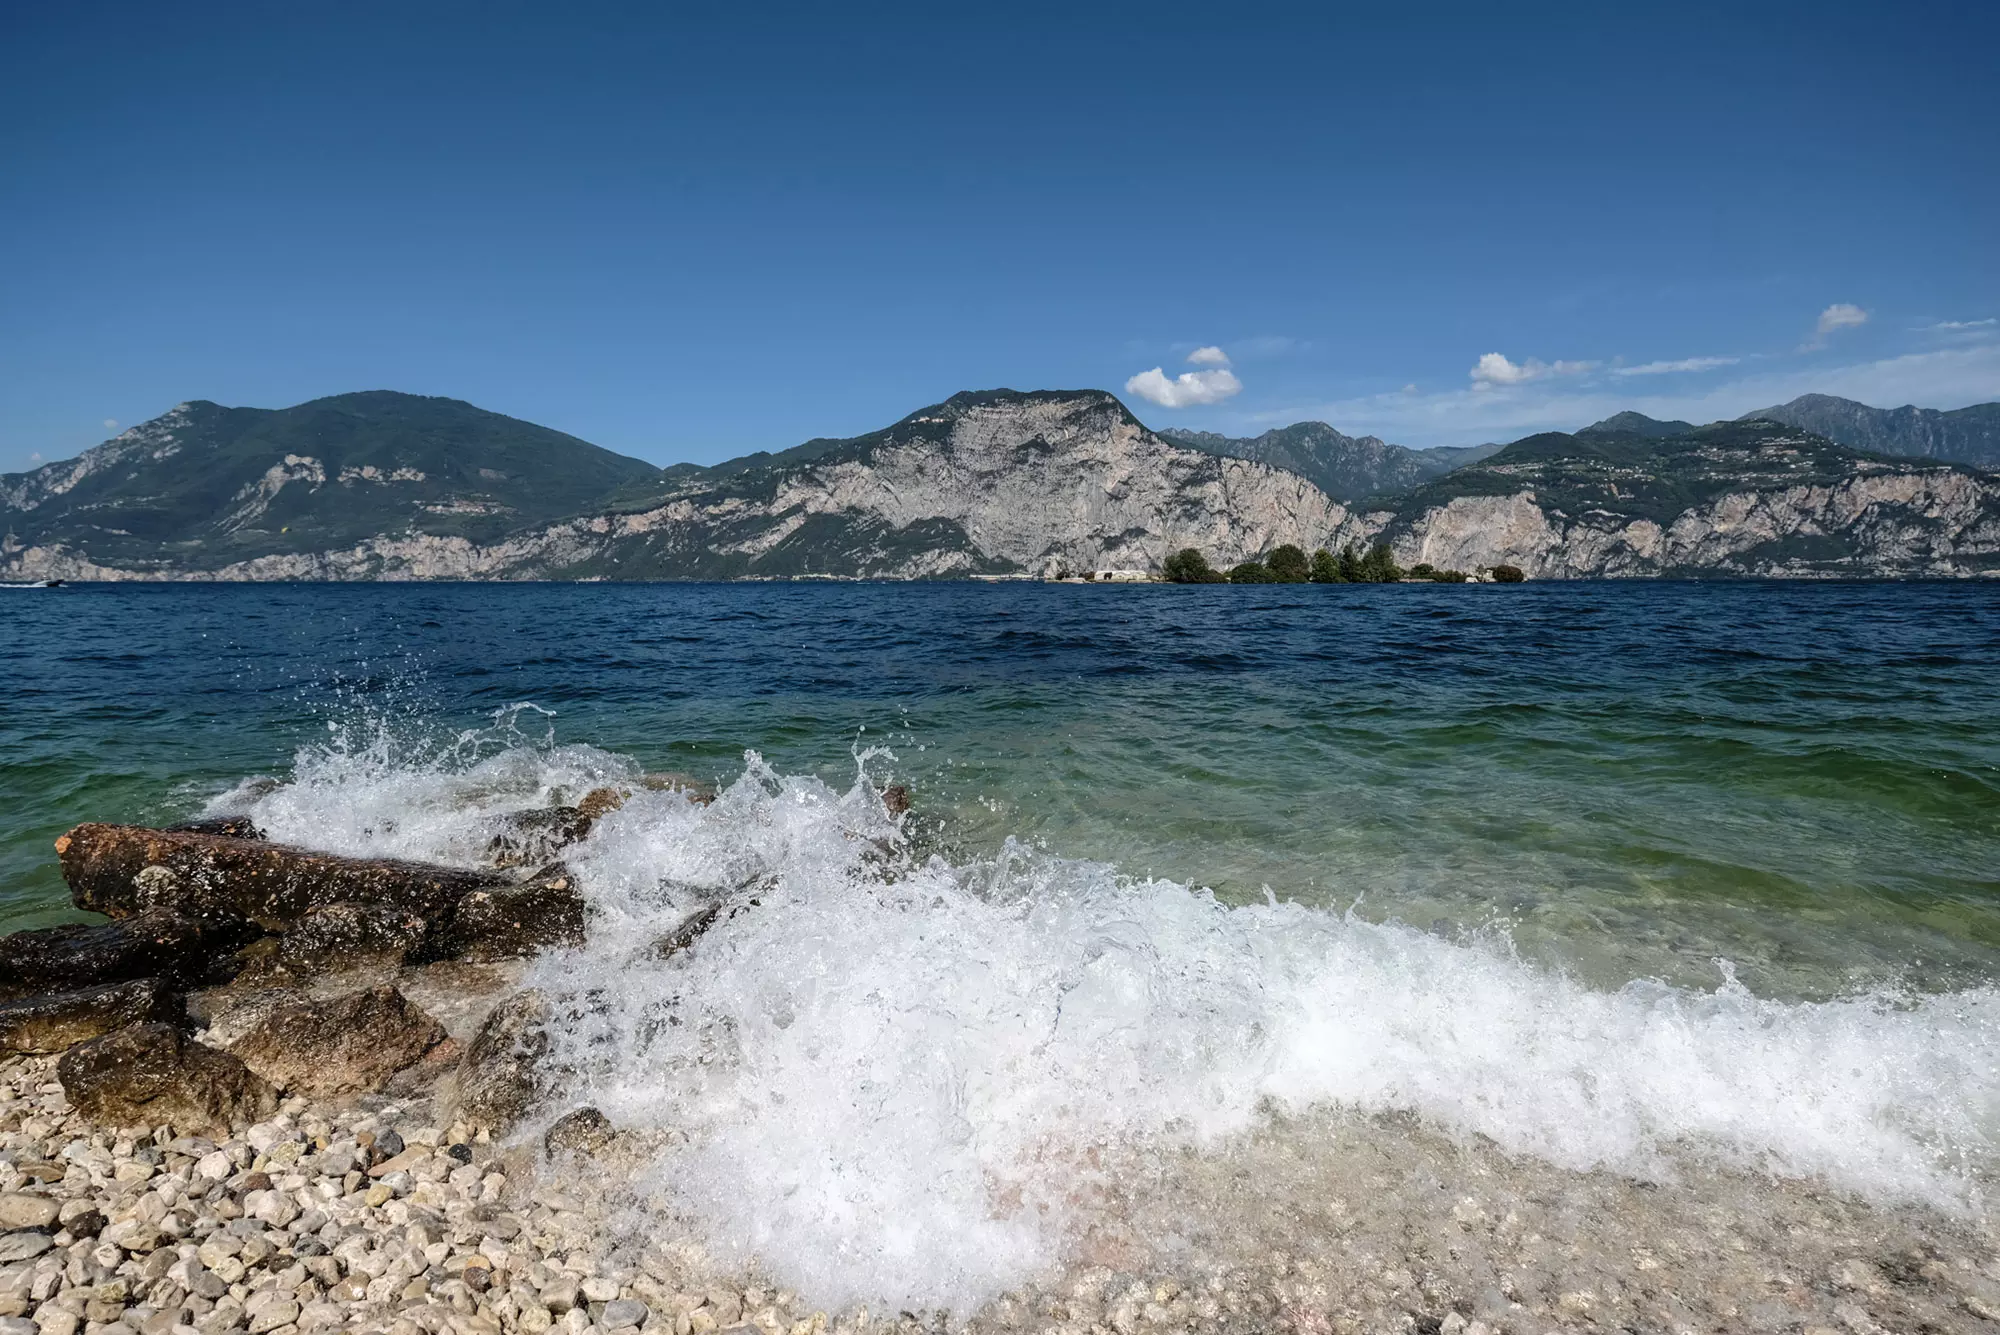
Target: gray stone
(23, 1245)
(21, 1209)
(623, 1314)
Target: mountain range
(382, 485)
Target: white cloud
(1186, 389)
(1684, 364)
(1493, 369)
(1209, 356)
(1840, 315)
(35, 458)
(1959, 326)
(110, 424)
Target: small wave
(904, 1078)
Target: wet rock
(687, 931)
(152, 1074)
(233, 827)
(123, 870)
(585, 1131)
(670, 781)
(501, 1075)
(601, 802)
(57, 1021)
(514, 921)
(896, 798)
(530, 838)
(342, 936)
(351, 1044)
(191, 951)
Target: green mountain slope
(1636, 424)
(1962, 435)
(1347, 468)
(205, 485)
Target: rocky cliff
(1733, 499)
(994, 482)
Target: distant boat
(37, 584)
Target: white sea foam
(907, 1082)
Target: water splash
(920, 1080)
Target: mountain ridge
(1347, 468)
(983, 483)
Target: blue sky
(688, 236)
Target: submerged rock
(152, 1074)
(161, 943)
(343, 935)
(57, 1021)
(351, 1044)
(501, 1075)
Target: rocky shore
(281, 1091)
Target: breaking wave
(909, 1078)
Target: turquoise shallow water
(1635, 780)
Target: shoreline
(379, 1214)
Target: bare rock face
(351, 1044)
(152, 1074)
(341, 936)
(161, 943)
(502, 1077)
(57, 1021)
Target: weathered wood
(121, 870)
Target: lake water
(1601, 872)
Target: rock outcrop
(190, 951)
(154, 1075)
(502, 1076)
(57, 1021)
(349, 1044)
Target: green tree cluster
(1288, 564)
(1351, 567)
(1507, 575)
(1188, 566)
